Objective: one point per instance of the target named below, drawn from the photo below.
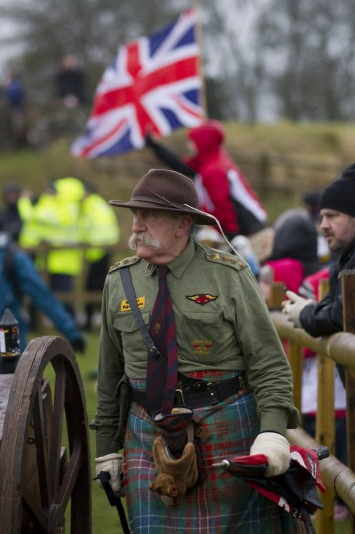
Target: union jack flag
(152, 85)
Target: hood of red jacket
(208, 136)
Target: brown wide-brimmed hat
(162, 189)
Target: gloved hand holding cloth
(276, 448)
(292, 307)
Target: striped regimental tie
(162, 364)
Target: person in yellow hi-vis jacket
(98, 228)
(55, 220)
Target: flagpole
(197, 8)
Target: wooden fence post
(325, 435)
(325, 426)
(348, 291)
(339, 347)
(294, 352)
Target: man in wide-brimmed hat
(229, 373)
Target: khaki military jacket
(222, 323)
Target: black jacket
(326, 317)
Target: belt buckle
(180, 396)
(241, 383)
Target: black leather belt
(197, 393)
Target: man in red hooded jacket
(223, 190)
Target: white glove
(292, 308)
(112, 464)
(276, 448)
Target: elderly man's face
(338, 229)
(158, 236)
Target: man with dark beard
(337, 210)
(225, 363)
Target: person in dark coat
(295, 237)
(19, 278)
(337, 210)
(70, 82)
(10, 218)
(17, 205)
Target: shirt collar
(179, 265)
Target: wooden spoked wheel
(44, 455)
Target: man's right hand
(276, 448)
(78, 344)
(112, 464)
(292, 307)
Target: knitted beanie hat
(340, 195)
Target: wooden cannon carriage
(44, 453)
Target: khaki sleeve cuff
(104, 438)
(275, 421)
(103, 445)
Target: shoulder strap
(132, 299)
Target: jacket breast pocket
(128, 324)
(133, 344)
(206, 334)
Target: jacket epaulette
(124, 263)
(227, 259)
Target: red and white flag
(153, 84)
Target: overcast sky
(6, 29)
(239, 14)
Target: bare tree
(309, 56)
(90, 29)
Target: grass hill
(299, 157)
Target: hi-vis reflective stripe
(126, 307)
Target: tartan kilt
(223, 503)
